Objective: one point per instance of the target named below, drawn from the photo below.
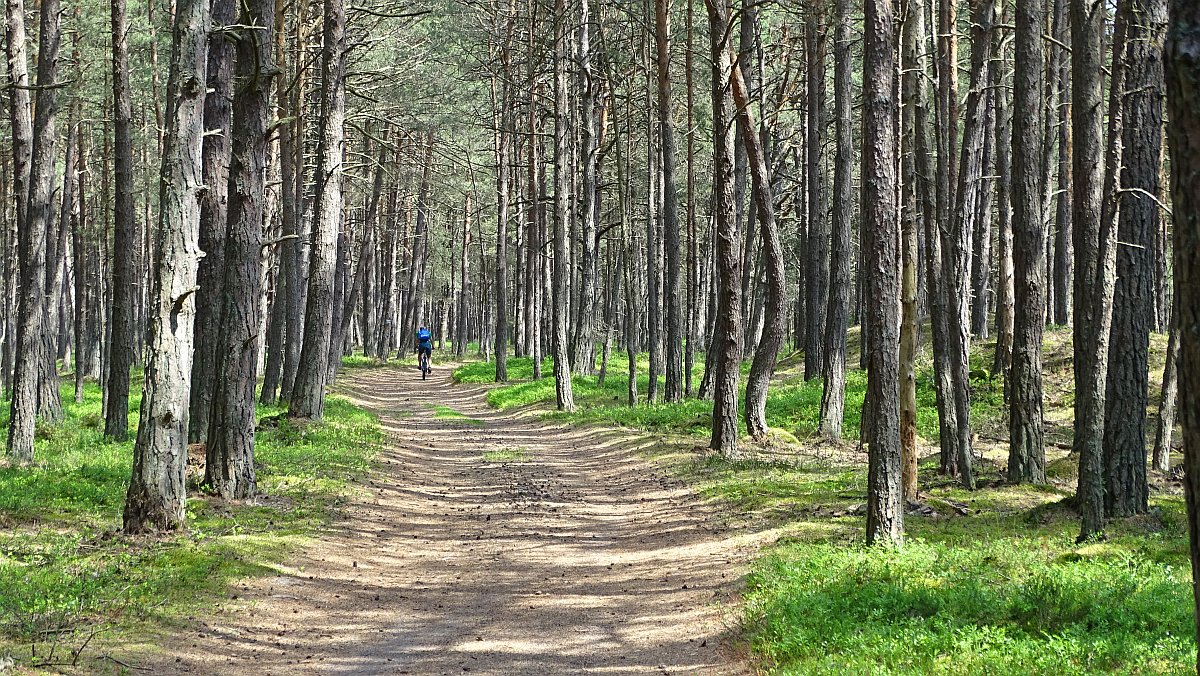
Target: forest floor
(495, 543)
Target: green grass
(508, 455)
(793, 404)
(66, 571)
(447, 413)
(1001, 589)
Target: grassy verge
(67, 577)
(990, 581)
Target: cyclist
(424, 349)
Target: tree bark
(673, 294)
(214, 217)
(727, 331)
(1167, 404)
(885, 515)
(1005, 289)
(767, 352)
(291, 150)
(308, 395)
(816, 250)
(833, 396)
(229, 466)
(503, 143)
(912, 69)
(1091, 221)
(590, 87)
(25, 405)
(1182, 61)
(157, 495)
(1027, 452)
(562, 366)
(1127, 491)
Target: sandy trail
(582, 559)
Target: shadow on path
(580, 558)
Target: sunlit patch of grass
(508, 455)
(66, 571)
(990, 580)
(448, 413)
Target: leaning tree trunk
(38, 217)
(1027, 452)
(885, 515)
(308, 395)
(1167, 402)
(157, 494)
(1182, 60)
(727, 331)
(767, 351)
(229, 466)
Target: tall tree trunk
(767, 352)
(1005, 289)
(885, 515)
(1092, 241)
(157, 495)
(562, 367)
(833, 396)
(121, 345)
(460, 315)
(503, 143)
(673, 295)
(278, 321)
(590, 87)
(291, 150)
(308, 395)
(1183, 130)
(214, 217)
(1027, 452)
(229, 466)
(1064, 209)
(956, 244)
(1127, 491)
(911, 69)
(816, 250)
(693, 265)
(1167, 404)
(38, 218)
(727, 330)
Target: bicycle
(423, 362)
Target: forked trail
(577, 556)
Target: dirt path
(580, 559)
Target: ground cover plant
(71, 586)
(989, 581)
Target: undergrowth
(989, 581)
